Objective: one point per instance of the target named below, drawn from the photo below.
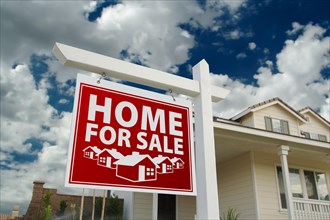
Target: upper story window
(277, 125)
(306, 184)
(314, 136)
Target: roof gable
(175, 159)
(132, 160)
(95, 149)
(315, 114)
(160, 159)
(270, 102)
(113, 152)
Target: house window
(87, 153)
(277, 125)
(314, 136)
(304, 184)
(150, 172)
(102, 159)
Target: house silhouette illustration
(136, 168)
(177, 163)
(107, 157)
(164, 163)
(91, 152)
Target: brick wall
(36, 207)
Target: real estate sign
(125, 138)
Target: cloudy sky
(256, 49)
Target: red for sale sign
(124, 138)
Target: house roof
(95, 149)
(175, 159)
(112, 152)
(132, 160)
(310, 110)
(268, 103)
(160, 159)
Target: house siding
(247, 120)
(315, 126)
(235, 186)
(266, 181)
(276, 111)
(142, 206)
(186, 207)
(268, 196)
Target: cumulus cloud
(296, 27)
(252, 46)
(299, 81)
(241, 55)
(24, 109)
(26, 114)
(148, 32)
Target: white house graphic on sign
(177, 163)
(107, 158)
(91, 152)
(137, 168)
(164, 163)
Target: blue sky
(256, 49)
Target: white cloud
(148, 31)
(299, 82)
(24, 115)
(296, 27)
(252, 45)
(157, 42)
(24, 109)
(241, 55)
(233, 6)
(63, 101)
(140, 27)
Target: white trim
(207, 200)
(254, 121)
(295, 114)
(281, 210)
(245, 112)
(316, 115)
(283, 152)
(154, 206)
(262, 106)
(302, 179)
(254, 181)
(269, 134)
(97, 63)
(176, 206)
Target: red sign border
(84, 80)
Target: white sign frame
(207, 201)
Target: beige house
(253, 151)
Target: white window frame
(309, 135)
(281, 124)
(302, 181)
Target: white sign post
(199, 88)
